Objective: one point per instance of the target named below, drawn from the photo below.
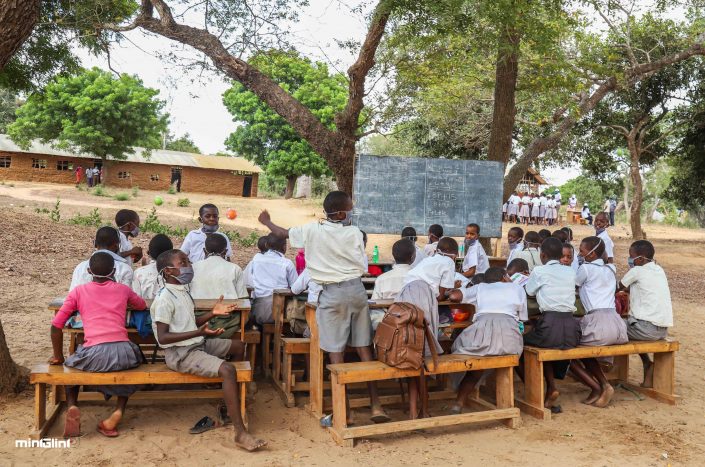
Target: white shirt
(195, 242)
(437, 271)
(543, 200)
(573, 201)
(557, 197)
(463, 280)
(554, 287)
(535, 201)
(125, 245)
(123, 272)
(531, 255)
(334, 253)
(389, 284)
(550, 203)
(598, 283)
(304, 282)
(174, 306)
(649, 295)
(145, 281)
(430, 249)
(609, 244)
(525, 200)
(215, 276)
(586, 213)
(270, 271)
(476, 257)
(514, 199)
(420, 255)
(506, 298)
(513, 252)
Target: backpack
(401, 335)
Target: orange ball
(231, 214)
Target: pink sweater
(103, 307)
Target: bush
(244, 242)
(55, 213)
(122, 197)
(152, 224)
(183, 202)
(135, 191)
(99, 190)
(91, 220)
(171, 190)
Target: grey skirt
(640, 330)
(107, 357)
(603, 326)
(490, 334)
(262, 310)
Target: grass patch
(122, 196)
(93, 219)
(135, 191)
(183, 202)
(99, 190)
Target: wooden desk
(573, 217)
(279, 299)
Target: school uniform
(420, 255)
(535, 207)
(513, 252)
(296, 311)
(513, 205)
(174, 306)
(542, 206)
(475, 256)
(304, 283)
(585, 214)
(195, 242)
(145, 281)
(609, 244)
(125, 245)
(335, 259)
(504, 208)
(601, 324)
(430, 249)
(266, 273)
(554, 287)
(650, 308)
(123, 272)
(525, 211)
(550, 209)
(389, 284)
(531, 255)
(420, 294)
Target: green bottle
(375, 255)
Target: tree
(183, 143)
(94, 113)
(9, 103)
(266, 138)
(589, 190)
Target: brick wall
(145, 176)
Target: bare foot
(456, 409)
(551, 398)
(72, 425)
(248, 442)
(648, 376)
(605, 397)
(113, 420)
(592, 397)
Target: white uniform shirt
(174, 306)
(270, 271)
(550, 203)
(649, 295)
(554, 287)
(543, 201)
(535, 201)
(525, 200)
(334, 253)
(145, 281)
(304, 282)
(499, 297)
(598, 283)
(215, 276)
(125, 245)
(420, 255)
(389, 284)
(195, 242)
(476, 256)
(437, 271)
(531, 255)
(585, 213)
(514, 199)
(430, 249)
(123, 272)
(557, 198)
(573, 201)
(609, 244)
(513, 252)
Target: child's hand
(206, 331)
(457, 284)
(264, 217)
(56, 360)
(221, 310)
(136, 253)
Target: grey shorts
(640, 330)
(262, 310)
(202, 359)
(343, 317)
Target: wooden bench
(343, 374)
(664, 370)
(58, 376)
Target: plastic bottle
(375, 255)
(300, 261)
(461, 250)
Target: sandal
(107, 432)
(223, 417)
(203, 425)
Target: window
(39, 163)
(123, 174)
(63, 165)
(154, 177)
(5, 162)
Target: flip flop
(223, 417)
(380, 418)
(203, 425)
(107, 432)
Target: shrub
(122, 197)
(99, 190)
(135, 191)
(152, 224)
(93, 219)
(183, 202)
(244, 242)
(55, 213)
(171, 190)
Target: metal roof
(156, 156)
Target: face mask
(185, 275)
(445, 254)
(581, 260)
(469, 243)
(209, 228)
(348, 217)
(110, 276)
(134, 232)
(590, 252)
(630, 262)
(599, 231)
(513, 245)
(221, 254)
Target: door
(247, 186)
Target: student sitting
(602, 221)
(518, 265)
(476, 260)
(181, 335)
(650, 309)
(106, 241)
(554, 287)
(567, 259)
(389, 284)
(435, 232)
(268, 272)
(499, 307)
(544, 234)
(585, 214)
(515, 235)
(106, 347)
(335, 258)
(410, 234)
(128, 224)
(601, 324)
(194, 242)
(530, 251)
(145, 279)
(575, 264)
(296, 313)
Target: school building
(196, 173)
(532, 182)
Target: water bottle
(375, 255)
(300, 261)
(461, 250)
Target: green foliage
(55, 214)
(93, 219)
(183, 143)
(270, 186)
(244, 242)
(122, 196)
(588, 190)
(94, 113)
(171, 190)
(152, 224)
(9, 103)
(183, 202)
(263, 136)
(99, 190)
(135, 191)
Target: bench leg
(40, 405)
(286, 381)
(534, 388)
(252, 354)
(504, 391)
(243, 405)
(266, 354)
(339, 413)
(621, 368)
(665, 375)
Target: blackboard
(391, 193)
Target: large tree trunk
(626, 195)
(17, 20)
(637, 196)
(290, 185)
(13, 378)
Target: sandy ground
(36, 260)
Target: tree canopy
(183, 143)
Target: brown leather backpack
(400, 337)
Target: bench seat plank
(630, 348)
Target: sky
(194, 102)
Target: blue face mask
(469, 243)
(599, 231)
(630, 262)
(348, 217)
(185, 275)
(210, 228)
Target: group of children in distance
(529, 208)
(540, 264)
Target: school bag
(401, 335)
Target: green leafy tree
(95, 113)
(183, 143)
(589, 190)
(266, 138)
(9, 103)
